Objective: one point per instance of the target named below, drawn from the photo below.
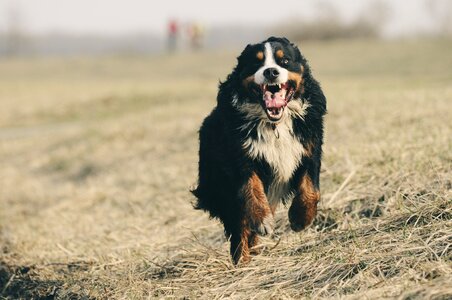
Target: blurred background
(52, 27)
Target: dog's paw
(301, 217)
(266, 226)
(298, 226)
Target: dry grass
(97, 155)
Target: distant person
(173, 31)
(196, 34)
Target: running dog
(262, 145)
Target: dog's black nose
(271, 73)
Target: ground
(97, 155)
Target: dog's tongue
(275, 100)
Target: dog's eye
(285, 61)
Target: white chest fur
(279, 147)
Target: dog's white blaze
(269, 62)
(283, 152)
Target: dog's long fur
(248, 163)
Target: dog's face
(271, 74)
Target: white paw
(266, 227)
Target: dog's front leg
(258, 210)
(304, 205)
(256, 218)
(239, 242)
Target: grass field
(97, 155)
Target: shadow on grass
(22, 282)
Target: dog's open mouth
(275, 98)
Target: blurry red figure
(173, 31)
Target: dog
(262, 145)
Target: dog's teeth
(279, 85)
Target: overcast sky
(128, 16)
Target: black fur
(224, 166)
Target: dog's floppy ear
(248, 47)
(245, 51)
(228, 86)
(243, 55)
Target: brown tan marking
(260, 55)
(253, 240)
(256, 208)
(279, 53)
(304, 205)
(247, 81)
(298, 78)
(256, 201)
(239, 246)
(295, 77)
(309, 147)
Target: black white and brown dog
(262, 145)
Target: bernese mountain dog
(262, 145)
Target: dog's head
(270, 74)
